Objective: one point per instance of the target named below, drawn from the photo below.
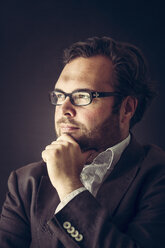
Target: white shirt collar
(93, 174)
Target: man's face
(93, 126)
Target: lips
(66, 128)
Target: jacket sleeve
(89, 224)
(14, 223)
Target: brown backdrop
(33, 36)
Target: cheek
(94, 118)
(57, 113)
(88, 119)
(56, 116)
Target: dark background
(33, 36)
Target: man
(96, 186)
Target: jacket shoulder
(27, 178)
(36, 169)
(154, 154)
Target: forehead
(95, 73)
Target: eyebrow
(76, 89)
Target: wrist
(65, 190)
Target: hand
(65, 161)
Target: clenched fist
(65, 161)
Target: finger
(63, 138)
(66, 140)
(44, 156)
(55, 144)
(66, 137)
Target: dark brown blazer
(128, 211)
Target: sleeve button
(71, 230)
(79, 238)
(66, 224)
(75, 234)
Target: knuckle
(47, 147)
(76, 145)
(53, 142)
(54, 153)
(44, 152)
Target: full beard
(101, 137)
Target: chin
(72, 134)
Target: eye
(84, 96)
(59, 95)
(81, 98)
(81, 95)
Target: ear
(128, 108)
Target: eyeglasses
(80, 97)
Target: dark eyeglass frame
(93, 94)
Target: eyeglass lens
(76, 98)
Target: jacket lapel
(118, 182)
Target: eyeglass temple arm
(105, 94)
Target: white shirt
(94, 174)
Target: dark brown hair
(130, 70)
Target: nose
(68, 109)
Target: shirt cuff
(68, 198)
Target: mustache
(70, 121)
